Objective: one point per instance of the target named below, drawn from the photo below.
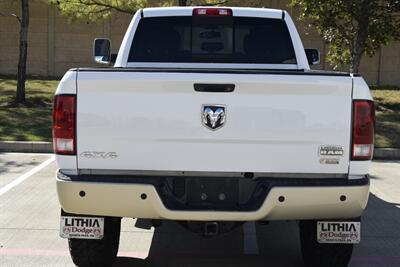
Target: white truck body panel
(67, 84)
(152, 121)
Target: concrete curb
(26, 147)
(387, 153)
(47, 147)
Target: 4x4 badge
(213, 116)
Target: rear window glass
(212, 40)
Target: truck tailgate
(275, 123)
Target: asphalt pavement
(29, 222)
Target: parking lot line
(33, 252)
(25, 176)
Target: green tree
(352, 28)
(23, 21)
(92, 10)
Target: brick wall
(55, 45)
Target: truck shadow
(275, 244)
(380, 233)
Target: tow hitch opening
(211, 228)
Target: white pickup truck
(212, 117)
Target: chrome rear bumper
(289, 199)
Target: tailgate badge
(98, 155)
(330, 154)
(331, 150)
(213, 116)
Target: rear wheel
(97, 253)
(322, 255)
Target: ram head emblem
(213, 116)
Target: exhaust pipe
(211, 228)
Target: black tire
(97, 253)
(321, 255)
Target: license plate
(339, 232)
(81, 227)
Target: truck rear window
(208, 39)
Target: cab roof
(236, 11)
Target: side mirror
(313, 56)
(102, 51)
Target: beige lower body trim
(124, 200)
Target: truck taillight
(363, 130)
(212, 12)
(64, 125)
